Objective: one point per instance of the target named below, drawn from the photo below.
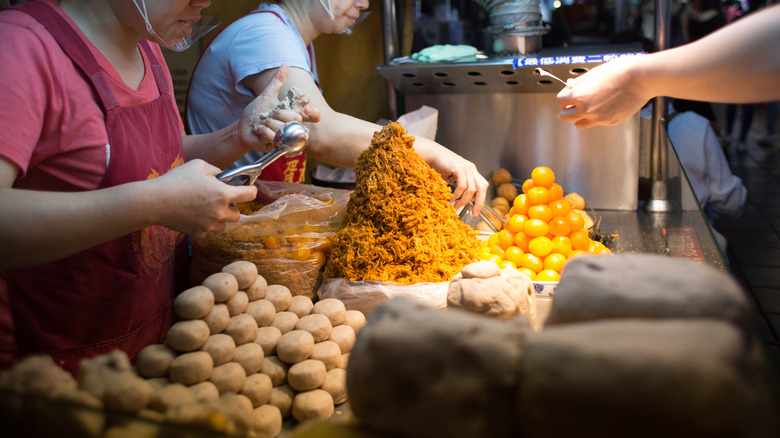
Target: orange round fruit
(503, 264)
(556, 192)
(528, 272)
(515, 223)
(484, 253)
(536, 227)
(497, 250)
(555, 261)
(492, 240)
(575, 221)
(513, 254)
(575, 253)
(532, 262)
(579, 240)
(538, 195)
(521, 241)
(561, 245)
(540, 211)
(543, 176)
(520, 204)
(547, 275)
(505, 239)
(527, 184)
(540, 246)
(559, 226)
(560, 208)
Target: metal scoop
(544, 72)
(289, 141)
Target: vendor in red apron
(98, 185)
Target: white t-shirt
(718, 190)
(252, 44)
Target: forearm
(737, 64)
(220, 148)
(39, 227)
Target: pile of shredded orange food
(400, 226)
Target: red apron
(285, 169)
(116, 295)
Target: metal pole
(390, 50)
(659, 171)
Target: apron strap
(72, 44)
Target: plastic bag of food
(365, 296)
(287, 232)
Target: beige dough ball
(275, 369)
(317, 324)
(280, 296)
(257, 388)
(507, 191)
(237, 408)
(355, 319)
(344, 361)
(300, 305)
(218, 318)
(257, 290)
(285, 321)
(221, 347)
(282, 397)
(295, 346)
(155, 360)
(245, 273)
(238, 303)
(223, 285)
(306, 375)
(250, 357)
(191, 368)
(188, 335)
(332, 308)
(336, 385)
(166, 396)
(344, 336)
(268, 337)
(267, 421)
(500, 176)
(263, 311)
(194, 303)
(242, 328)
(312, 405)
(229, 377)
(327, 352)
(205, 392)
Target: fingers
(311, 114)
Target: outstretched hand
(606, 95)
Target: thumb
(272, 90)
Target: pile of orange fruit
(542, 233)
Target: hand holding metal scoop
(290, 140)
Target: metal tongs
(290, 140)
(467, 218)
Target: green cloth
(445, 52)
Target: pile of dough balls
(275, 354)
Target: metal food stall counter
(500, 113)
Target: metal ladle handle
(290, 140)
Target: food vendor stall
(499, 112)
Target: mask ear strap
(328, 9)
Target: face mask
(199, 28)
(347, 30)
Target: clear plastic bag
(365, 296)
(288, 239)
